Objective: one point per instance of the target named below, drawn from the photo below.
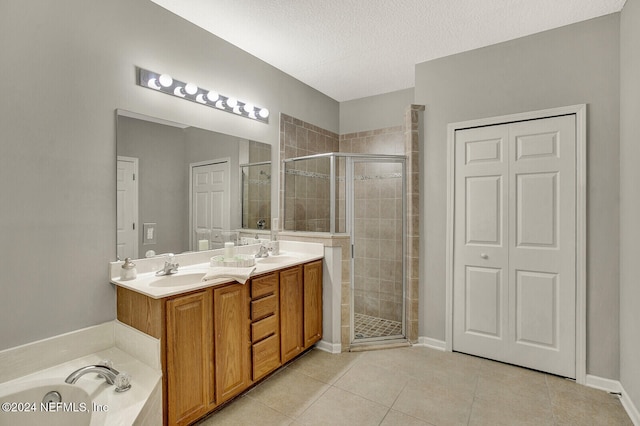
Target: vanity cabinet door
(312, 303)
(232, 345)
(189, 352)
(291, 299)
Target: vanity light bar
(191, 92)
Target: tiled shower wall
(378, 226)
(307, 207)
(256, 187)
(256, 195)
(298, 138)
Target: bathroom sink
(277, 259)
(177, 280)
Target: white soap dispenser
(129, 271)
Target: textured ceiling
(349, 49)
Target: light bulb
(153, 83)
(232, 102)
(219, 104)
(236, 109)
(178, 92)
(200, 98)
(213, 96)
(191, 88)
(264, 113)
(248, 107)
(165, 80)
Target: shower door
(376, 206)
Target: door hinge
(134, 176)
(353, 251)
(134, 226)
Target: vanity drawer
(262, 307)
(266, 357)
(264, 328)
(261, 286)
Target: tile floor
(416, 386)
(366, 326)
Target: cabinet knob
(484, 255)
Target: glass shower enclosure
(363, 196)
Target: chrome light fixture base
(192, 92)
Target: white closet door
(481, 239)
(515, 292)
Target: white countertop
(193, 266)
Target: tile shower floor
(416, 386)
(366, 326)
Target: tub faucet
(108, 373)
(170, 265)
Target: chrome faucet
(108, 373)
(170, 267)
(263, 251)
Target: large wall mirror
(181, 188)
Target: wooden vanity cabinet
(231, 341)
(217, 342)
(300, 308)
(312, 298)
(291, 300)
(189, 355)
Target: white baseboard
(332, 348)
(615, 386)
(432, 343)
(630, 407)
(603, 384)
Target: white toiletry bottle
(229, 250)
(274, 244)
(129, 271)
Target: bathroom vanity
(222, 337)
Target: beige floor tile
(505, 387)
(245, 411)
(504, 408)
(437, 401)
(396, 418)
(324, 366)
(339, 407)
(576, 404)
(417, 386)
(373, 382)
(288, 392)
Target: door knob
(484, 255)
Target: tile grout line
(473, 401)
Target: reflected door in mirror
(127, 208)
(210, 198)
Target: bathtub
(90, 401)
(26, 406)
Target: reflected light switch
(148, 233)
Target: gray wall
(566, 66)
(374, 112)
(66, 66)
(629, 199)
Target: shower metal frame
(349, 219)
